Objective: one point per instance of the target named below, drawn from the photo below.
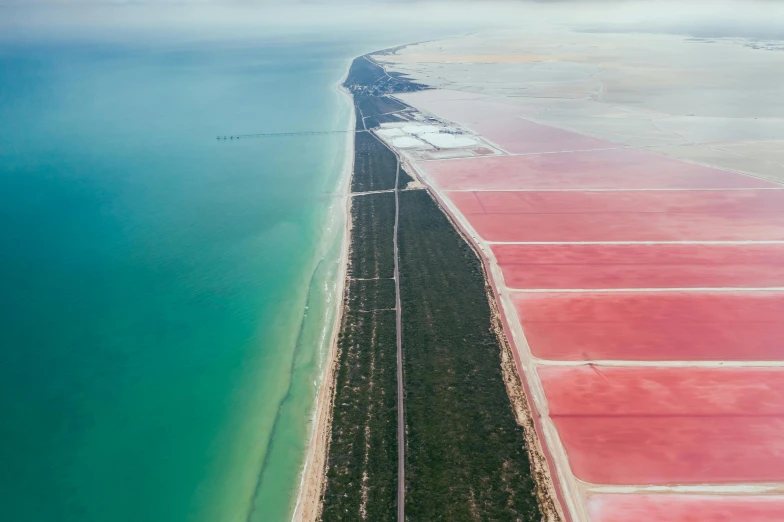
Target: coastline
(311, 485)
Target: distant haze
(751, 19)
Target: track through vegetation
(458, 454)
(362, 463)
(375, 166)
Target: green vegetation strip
(362, 465)
(375, 166)
(372, 294)
(373, 218)
(465, 456)
(362, 462)
(404, 180)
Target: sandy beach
(312, 483)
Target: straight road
(401, 429)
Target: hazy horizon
(758, 19)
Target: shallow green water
(155, 363)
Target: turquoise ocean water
(164, 294)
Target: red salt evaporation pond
(482, 151)
(685, 508)
(655, 326)
(641, 266)
(607, 390)
(630, 226)
(605, 169)
(694, 215)
(700, 449)
(620, 201)
(520, 136)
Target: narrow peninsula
(421, 422)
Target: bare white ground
(443, 140)
(409, 142)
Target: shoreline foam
(311, 485)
